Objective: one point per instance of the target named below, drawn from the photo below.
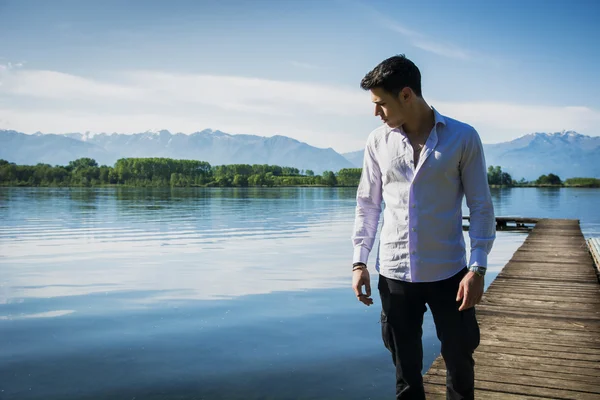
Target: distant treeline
(160, 172)
(497, 177)
(157, 172)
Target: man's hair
(393, 75)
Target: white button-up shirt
(421, 237)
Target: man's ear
(406, 94)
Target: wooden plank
(518, 389)
(524, 311)
(516, 363)
(548, 266)
(557, 348)
(539, 322)
(586, 344)
(528, 295)
(585, 360)
(546, 279)
(538, 285)
(525, 286)
(555, 305)
(564, 284)
(549, 258)
(510, 322)
(544, 335)
(438, 392)
(483, 368)
(535, 378)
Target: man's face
(389, 107)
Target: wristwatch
(477, 269)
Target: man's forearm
(365, 230)
(482, 232)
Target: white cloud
(61, 86)
(226, 92)
(321, 115)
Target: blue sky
(293, 67)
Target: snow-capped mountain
(567, 154)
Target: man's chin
(392, 125)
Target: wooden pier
(510, 223)
(540, 323)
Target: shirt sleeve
(482, 229)
(368, 206)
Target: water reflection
(212, 349)
(205, 246)
(215, 293)
(549, 198)
(503, 201)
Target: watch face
(478, 270)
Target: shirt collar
(439, 118)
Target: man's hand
(470, 290)
(361, 278)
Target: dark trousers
(403, 306)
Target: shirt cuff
(478, 258)
(361, 254)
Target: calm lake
(125, 293)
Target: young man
(421, 164)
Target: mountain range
(215, 147)
(567, 154)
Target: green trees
(82, 163)
(349, 176)
(583, 182)
(497, 177)
(549, 179)
(165, 172)
(30, 175)
(240, 180)
(162, 172)
(329, 178)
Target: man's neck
(422, 122)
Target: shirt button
(414, 252)
(414, 229)
(413, 206)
